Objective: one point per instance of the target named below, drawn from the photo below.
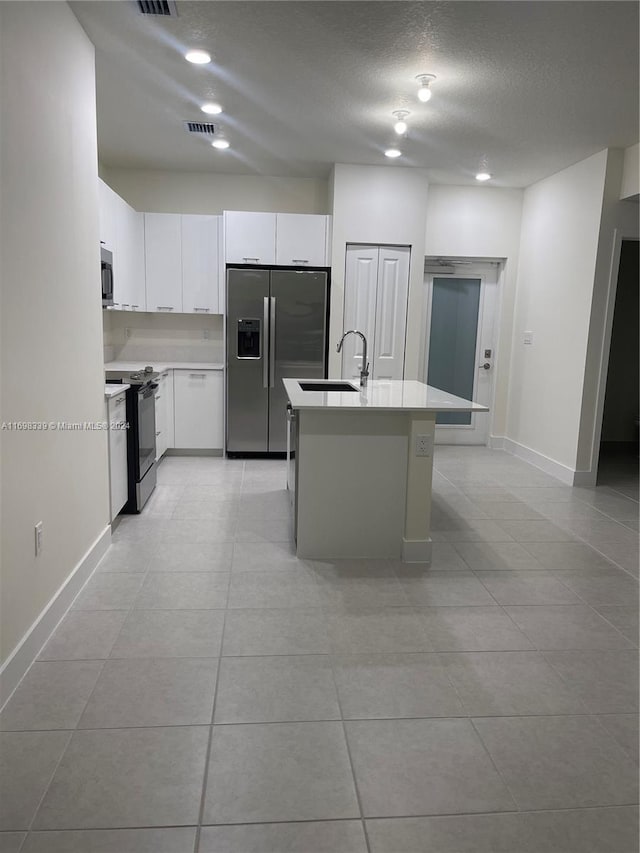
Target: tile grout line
(205, 775)
(350, 757)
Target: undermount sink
(326, 385)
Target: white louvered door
(391, 312)
(375, 303)
(359, 306)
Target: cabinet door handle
(120, 400)
(251, 259)
(300, 260)
(135, 306)
(164, 375)
(201, 375)
(158, 396)
(125, 305)
(159, 433)
(165, 307)
(201, 309)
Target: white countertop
(114, 390)
(380, 395)
(161, 366)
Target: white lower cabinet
(164, 413)
(117, 414)
(198, 408)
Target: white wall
(630, 185)
(51, 307)
(207, 192)
(134, 336)
(481, 222)
(380, 205)
(556, 271)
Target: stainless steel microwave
(106, 274)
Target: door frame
(589, 478)
(490, 272)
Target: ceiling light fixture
(424, 92)
(220, 144)
(198, 57)
(483, 176)
(393, 153)
(400, 126)
(211, 109)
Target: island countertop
(380, 395)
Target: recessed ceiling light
(393, 153)
(198, 57)
(483, 176)
(400, 126)
(211, 109)
(424, 92)
(221, 144)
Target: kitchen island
(360, 465)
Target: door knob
(485, 366)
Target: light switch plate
(527, 338)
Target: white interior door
(360, 286)
(460, 346)
(391, 312)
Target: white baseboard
(416, 550)
(586, 479)
(545, 463)
(28, 649)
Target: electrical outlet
(527, 338)
(205, 334)
(424, 445)
(127, 333)
(38, 538)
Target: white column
(416, 543)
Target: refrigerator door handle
(263, 349)
(272, 343)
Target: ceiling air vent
(163, 8)
(205, 128)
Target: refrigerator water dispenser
(249, 338)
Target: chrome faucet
(364, 371)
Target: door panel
(452, 341)
(460, 346)
(247, 391)
(298, 308)
(360, 287)
(391, 312)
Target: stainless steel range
(141, 435)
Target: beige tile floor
(209, 692)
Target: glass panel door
(453, 334)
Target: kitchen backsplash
(133, 336)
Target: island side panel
(352, 480)
(417, 532)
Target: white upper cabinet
(250, 238)
(200, 259)
(108, 215)
(129, 283)
(122, 232)
(301, 240)
(163, 261)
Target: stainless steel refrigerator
(276, 328)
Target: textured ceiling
(526, 88)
